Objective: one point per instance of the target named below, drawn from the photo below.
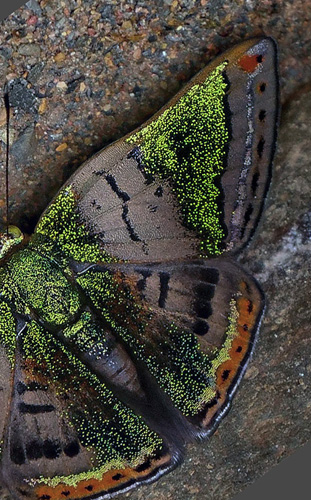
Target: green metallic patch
(101, 422)
(8, 331)
(86, 335)
(223, 354)
(10, 292)
(42, 287)
(183, 374)
(113, 298)
(182, 369)
(61, 226)
(187, 145)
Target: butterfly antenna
(7, 107)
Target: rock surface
(89, 72)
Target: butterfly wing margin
(247, 177)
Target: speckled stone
(100, 70)
(97, 69)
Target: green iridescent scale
(120, 439)
(7, 331)
(60, 232)
(187, 145)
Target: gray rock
(29, 49)
(34, 6)
(35, 72)
(25, 145)
(21, 97)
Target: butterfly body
(124, 330)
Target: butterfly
(126, 324)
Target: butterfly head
(9, 239)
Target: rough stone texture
(85, 72)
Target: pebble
(34, 6)
(32, 20)
(3, 116)
(62, 85)
(60, 57)
(61, 147)
(137, 54)
(43, 106)
(25, 145)
(29, 49)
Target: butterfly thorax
(39, 287)
(37, 279)
(32, 288)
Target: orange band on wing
(111, 480)
(239, 352)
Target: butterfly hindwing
(68, 436)
(196, 355)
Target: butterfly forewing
(133, 332)
(192, 180)
(135, 215)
